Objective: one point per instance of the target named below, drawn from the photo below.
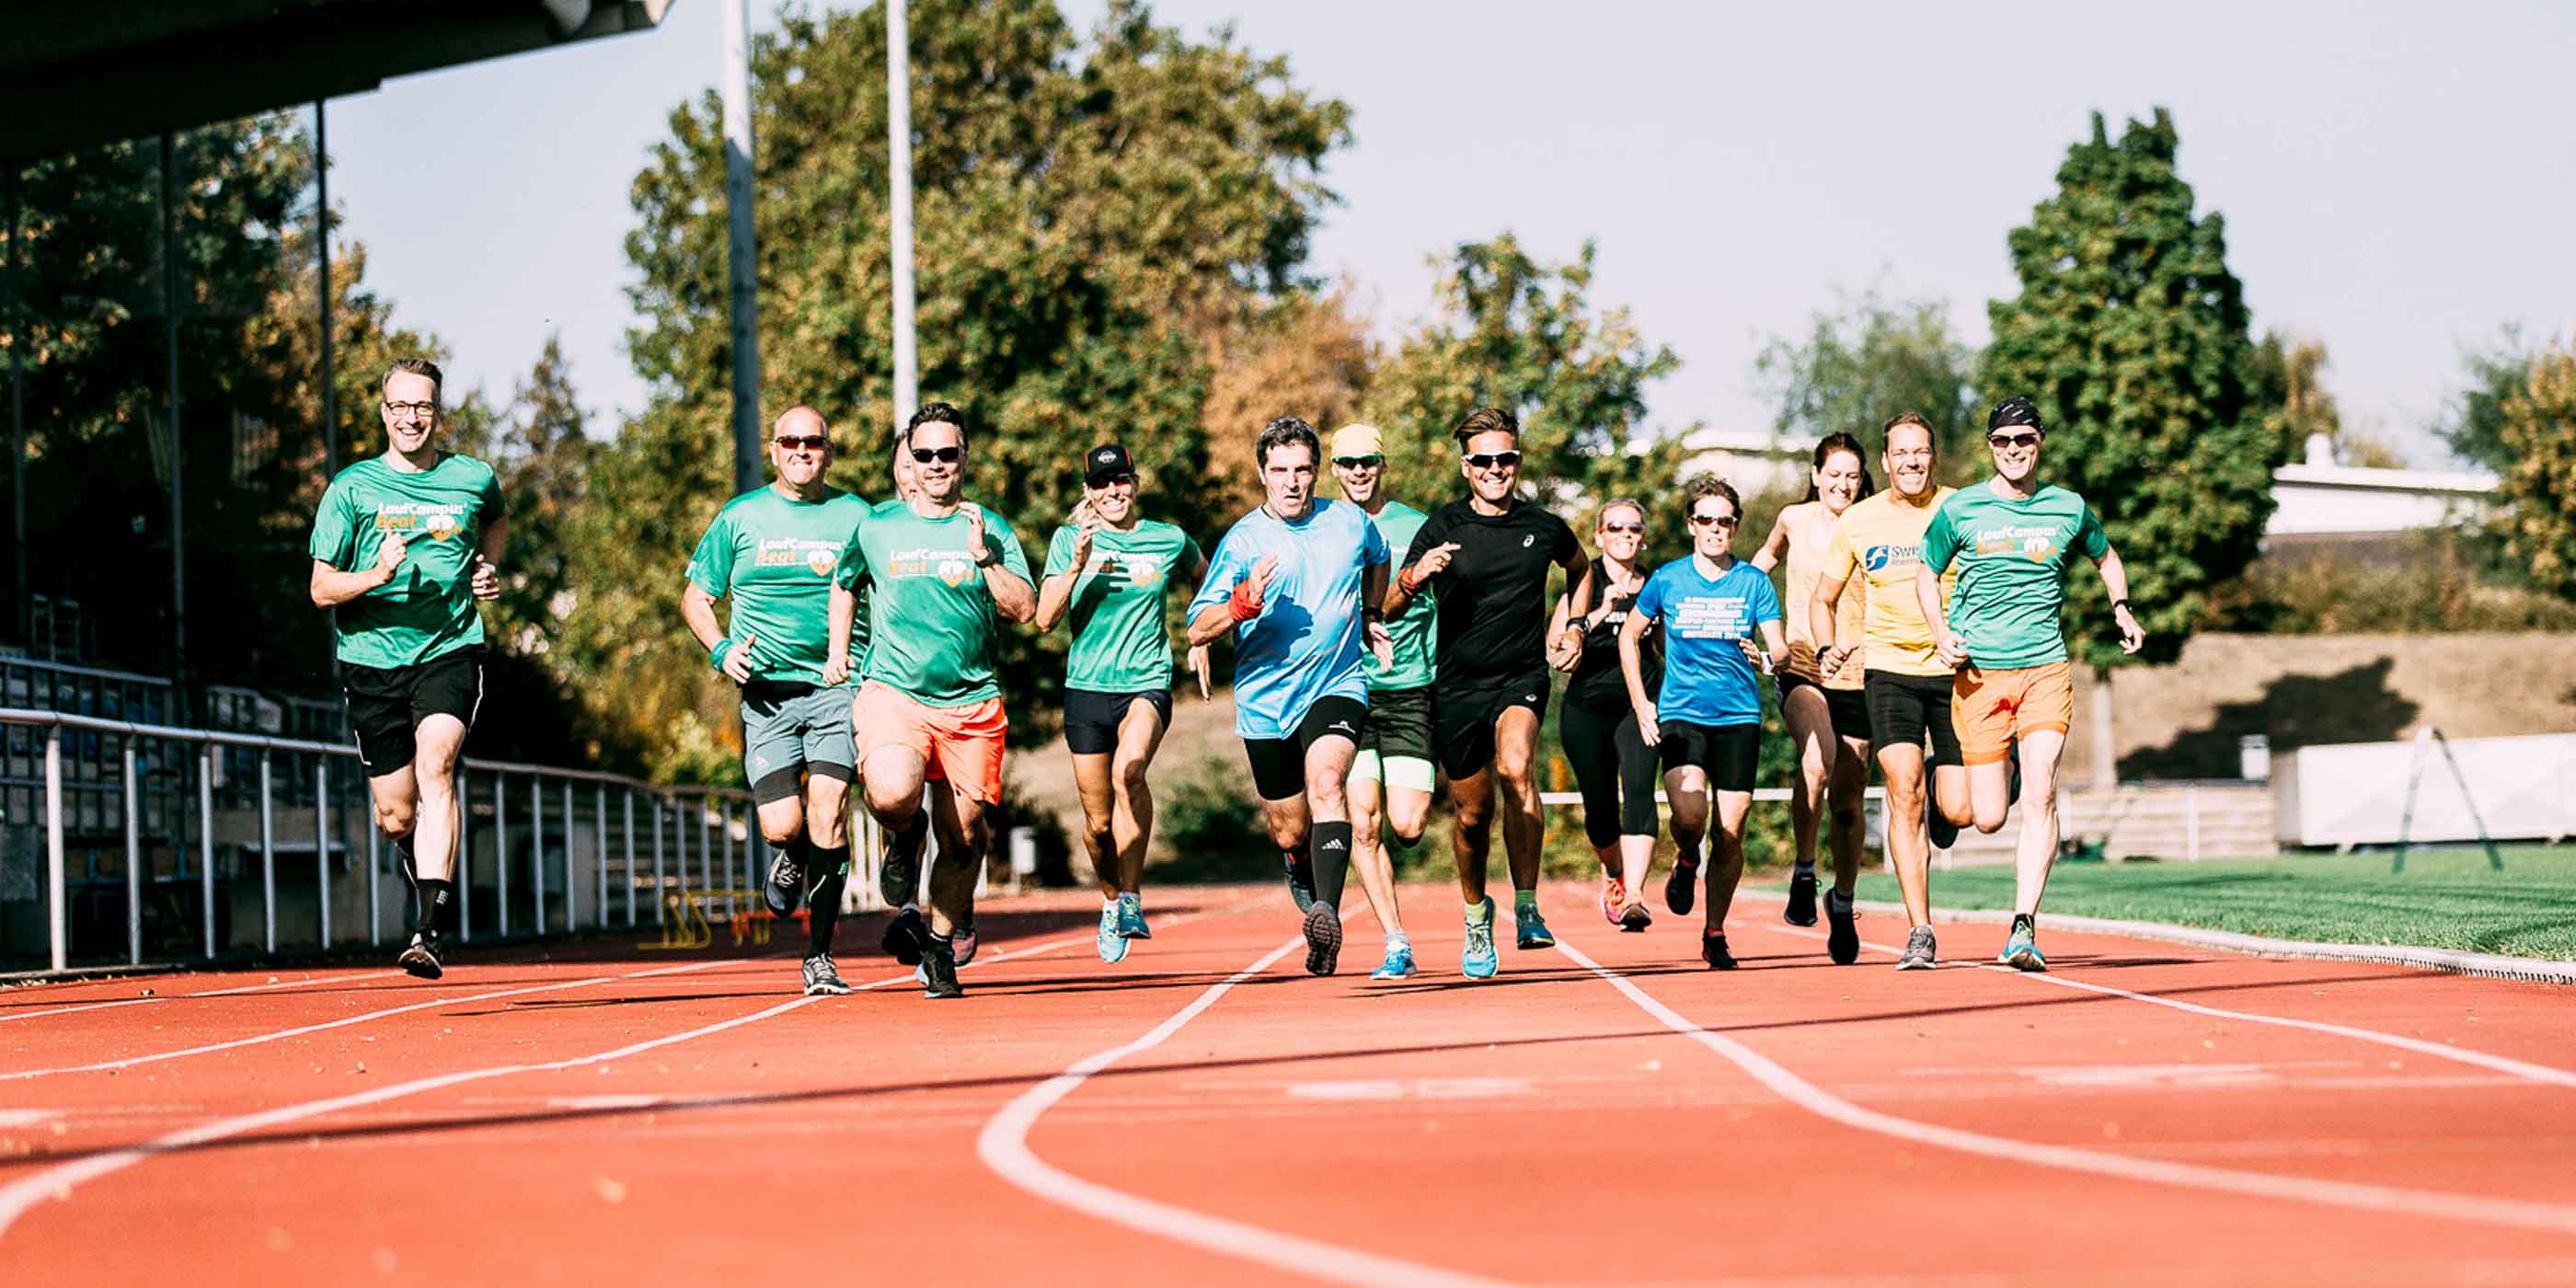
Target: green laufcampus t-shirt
(2012, 573)
(931, 624)
(427, 610)
(1120, 644)
(772, 556)
(1411, 628)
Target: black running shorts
(1463, 716)
(1849, 707)
(1279, 764)
(1903, 708)
(386, 705)
(1726, 752)
(1091, 718)
(1399, 723)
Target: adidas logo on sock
(1332, 845)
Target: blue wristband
(716, 656)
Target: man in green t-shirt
(1390, 779)
(1110, 571)
(770, 552)
(2010, 536)
(942, 574)
(403, 545)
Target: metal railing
(214, 843)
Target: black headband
(2013, 411)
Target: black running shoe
(1634, 918)
(904, 934)
(899, 877)
(1301, 883)
(1842, 938)
(822, 978)
(1712, 949)
(1681, 888)
(785, 887)
(939, 969)
(1944, 832)
(1802, 899)
(1323, 939)
(420, 957)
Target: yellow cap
(1357, 440)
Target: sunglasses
(1712, 520)
(2000, 441)
(1372, 461)
(1623, 527)
(1495, 460)
(812, 443)
(943, 455)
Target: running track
(1203, 1112)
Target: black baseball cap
(1107, 463)
(2016, 410)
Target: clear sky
(2397, 179)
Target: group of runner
(1918, 615)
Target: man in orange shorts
(2010, 536)
(942, 575)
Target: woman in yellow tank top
(1828, 720)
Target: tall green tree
(2130, 334)
(2473, 425)
(1870, 358)
(2537, 430)
(1088, 211)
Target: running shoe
(1398, 963)
(1712, 949)
(1944, 832)
(1634, 918)
(899, 878)
(786, 884)
(1681, 889)
(1323, 939)
(1802, 899)
(939, 969)
(966, 944)
(903, 936)
(420, 957)
(1614, 898)
(2021, 952)
(1477, 960)
(1301, 883)
(1918, 950)
(1842, 938)
(1112, 945)
(1530, 930)
(1131, 918)
(822, 978)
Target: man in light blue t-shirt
(1297, 582)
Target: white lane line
(212, 992)
(1004, 1147)
(2440, 1050)
(56, 1182)
(346, 1020)
(2556, 1218)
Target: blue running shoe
(1131, 918)
(2021, 952)
(1532, 931)
(1301, 884)
(1398, 963)
(1477, 961)
(1112, 945)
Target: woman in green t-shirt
(1110, 570)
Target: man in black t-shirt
(1489, 556)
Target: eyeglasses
(1623, 527)
(810, 443)
(943, 455)
(1712, 520)
(1372, 461)
(425, 410)
(2000, 441)
(1495, 460)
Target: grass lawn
(2444, 899)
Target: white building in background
(1752, 459)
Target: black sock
(826, 871)
(431, 909)
(2023, 921)
(1331, 843)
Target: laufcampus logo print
(440, 521)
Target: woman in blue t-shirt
(1706, 717)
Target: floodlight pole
(26, 613)
(742, 273)
(907, 380)
(178, 442)
(322, 260)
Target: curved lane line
(212, 992)
(1004, 1147)
(56, 1182)
(2551, 1217)
(2421, 1046)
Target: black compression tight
(1614, 768)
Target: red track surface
(1964, 1126)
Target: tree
(2288, 378)
(2474, 425)
(2130, 334)
(1871, 358)
(1089, 213)
(2537, 431)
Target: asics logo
(1529, 697)
(1528, 541)
(1340, 726)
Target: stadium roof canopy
(77, 73)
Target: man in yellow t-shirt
(1905, 684)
